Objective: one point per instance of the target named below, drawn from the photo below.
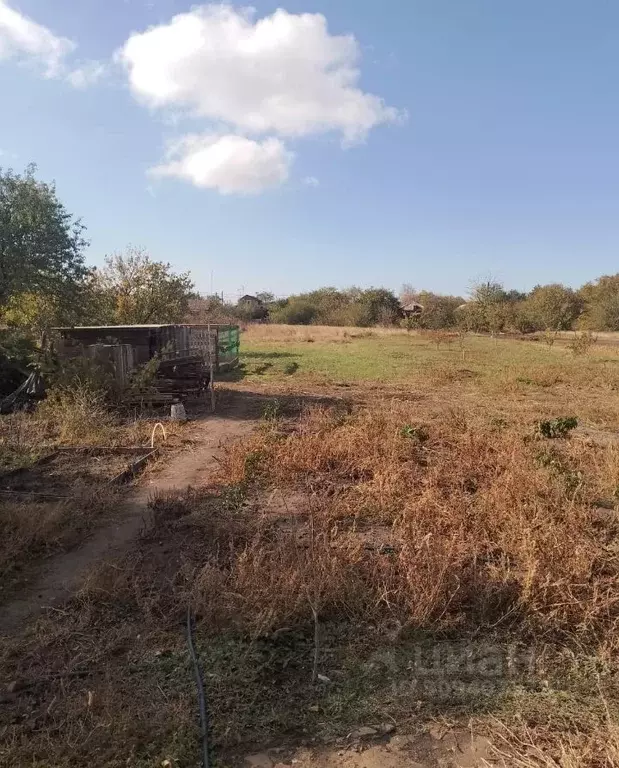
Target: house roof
(412, 306)
(249, 298)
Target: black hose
(200, 685)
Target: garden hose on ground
(200, 685)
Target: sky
(306, 143)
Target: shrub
(295, 312)
(77, 413)
(559, 427)
(582, 343)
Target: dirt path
(65, 573)
(438, 748)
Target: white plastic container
(177, 412)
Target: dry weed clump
(454, 523)
(31, 529)
(530, 748)
(74, 414)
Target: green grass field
(400, 358)
(502, 374)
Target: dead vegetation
(505, 537)
(58, 465)
(393, 562)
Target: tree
(491, 308)
(133, 289)
(35, 312)
(551, 307)
(266, 297)
(488, 292)
(408, 293)
(438, 311)
(378, 305)
(41, 244)
(601, 299)
(296, 311)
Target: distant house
(252, 308)
(412, 309)
(250, 302)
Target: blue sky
(479, 136)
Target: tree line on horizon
(45, 282)
(489, 307)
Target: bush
(295, 312)
(328, 306)
(77, 413)
(582, 343)
(559, 427)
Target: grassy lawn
(359, 355)
(524, 378)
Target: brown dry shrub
(483, 527)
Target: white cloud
(88, 73)
(229, 163)
(283, 74)
(311, 181)
(25, 39)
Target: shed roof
(249, 298)
(111, 327)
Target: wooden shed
(186, 352)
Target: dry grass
(505, 536)
(429, 512)
(32, 530)
(528, 749)
(33, 525)
(311, 333)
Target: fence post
(211, 367)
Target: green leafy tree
(601, 300)
(378, 306)
(488, 292)
(35, 312)
(41, 244)
(438, 311)
(550, 307)
(133, 289)
(266, 297)
(295, 311)
(491, 308)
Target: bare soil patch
(69, 472)
(438, 747)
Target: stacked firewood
(176, 379)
